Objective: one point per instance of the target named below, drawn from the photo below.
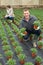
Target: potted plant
(25, 33)
(17, 30)
(33, 52)
(36, 24)
(28, 63)
(40, 37)
(22, 58)
(40, 44)
(1, 56)
(38, 60)
(10, 35)
(6, 48)
(20, 35)
(11, 62)
(18, 50)
(4, 23)
(4, 38)
(5, 42)
(12, 39)
(22, 30)
(15, 44)
(9, 54)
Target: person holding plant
(29, 23)
(9, 15)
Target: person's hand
(22, 34)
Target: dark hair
(9, 6)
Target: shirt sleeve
(21, 25)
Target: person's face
(26, 14)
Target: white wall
(11, 2)
(30, 2)
(20, 2)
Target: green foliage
(38, 59)
(15, 43)
(28, 63)
(6, 47)
(18, 49)
(22, 30)
(22, 56)
(9, 53)
(33, 50)
(40, 43)
(11, 62)
(37, 23)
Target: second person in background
(10, 14)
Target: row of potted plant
(9, 54)
(14, 27)
(38, 60)
(19, 51)
(16, 30)
(6, 47)
(3, 35)
(10, 34)
(19, 32)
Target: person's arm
(7, 14)
(21, 24)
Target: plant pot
(37, 63)
(35, 27)
(39, 46)
(14, 46)
(40, 38)
(18, 53)
(25, 33)
(9, 57)
(33, 55)
(33, 52)
(22, 62)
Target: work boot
(34, 44)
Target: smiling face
(26, 14)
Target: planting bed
(9, 36)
